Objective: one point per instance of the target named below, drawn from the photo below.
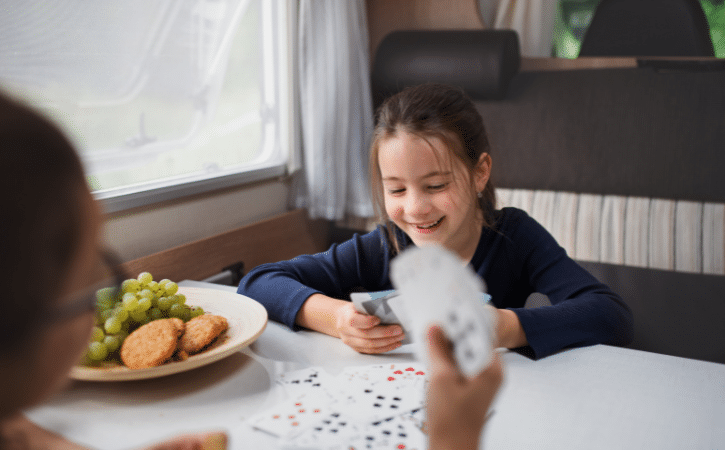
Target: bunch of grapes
(139, 301)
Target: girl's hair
(41, 179)
(432, 110)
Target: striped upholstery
(682, 236)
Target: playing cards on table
(364, 407)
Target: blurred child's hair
(41, 178)
(432, 110)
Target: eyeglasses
(84, 301)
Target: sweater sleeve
(282, 287)
(583, 311)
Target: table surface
(598, 397)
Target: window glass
(574, 16)
(153, 92)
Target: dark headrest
(482, 62)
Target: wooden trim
(282, 237)
(552, 64)
(597, 62)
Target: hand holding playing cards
(457, 406)
(364, 333)
(338, 318)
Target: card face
(436, 287)
(392, 433)
(290, 418)
(411, 373)
(310, 381)
(328, 433)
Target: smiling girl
(430, 171)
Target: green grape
(105, 294)
(181, 298)
(131, 285)
(164, 281)
(153, 286)
(105, 304)
(145, 278)
(171, 288)
(196, 311)
(112, 343)
(145, 320)
(121, 313)
(105, 315)
(138, 315)
(130, 302)
(97, 334)
(177, 310)
(146, 293)
(144, 304)
(113, 325)
(97, 351)
(155, 314)
(164, 303)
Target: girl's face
(427, 192)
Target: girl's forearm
(510, 332)
(319, 313)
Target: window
(162, 98)
(574, 16)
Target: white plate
(247, 320)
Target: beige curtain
(533, 20)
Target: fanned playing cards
(435, 287)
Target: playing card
(416, 417)
(382, 305)
(391, 433)
(311, 381)
(413, 374)
(331, 432)
(436, 287)
(291, 417)
(372, 402)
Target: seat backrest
(648, 28)
(482, 62)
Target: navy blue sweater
(515, 258)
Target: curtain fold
(533, 20)
(335, 109)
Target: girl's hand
(509, 333)
(457, 406)
(364, 333)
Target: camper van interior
(221, 135)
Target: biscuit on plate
(201, 331)
(152, 344)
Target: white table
(598, 397)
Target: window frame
(287, 136)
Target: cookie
(201, 331)
(152, 344)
